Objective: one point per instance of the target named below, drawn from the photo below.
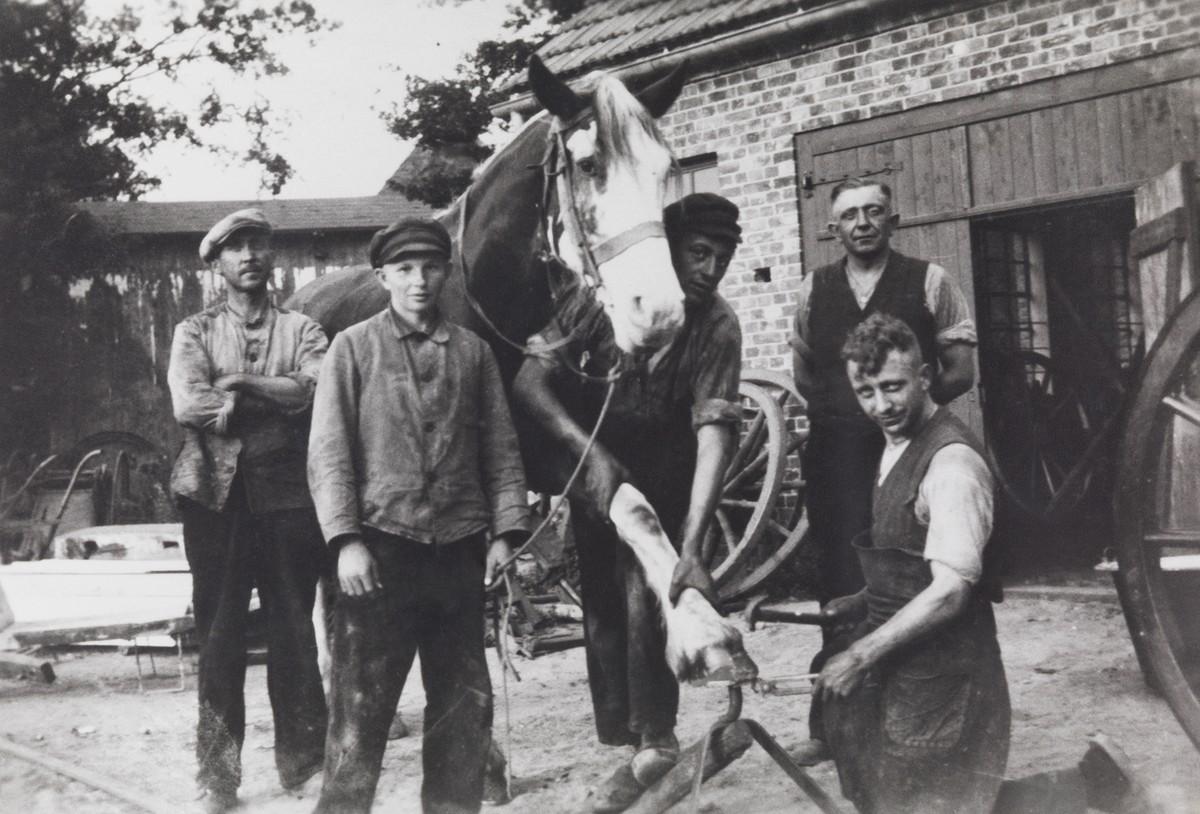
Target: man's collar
(404, 329)
(253, 317)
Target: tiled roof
(297, 214)
(608, 32)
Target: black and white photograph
(598, 406)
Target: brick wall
(749, 117)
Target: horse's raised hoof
(701, 644)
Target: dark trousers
(431, 603)
(283, 554)
(840, 459)
(634, 692)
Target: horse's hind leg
(699, 641)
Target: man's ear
(894, 219)
(926, 374)
(832, 227)
(379, 277)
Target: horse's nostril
(637, 304)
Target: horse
(575, 199)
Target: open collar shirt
(412, 436)
(265, 444)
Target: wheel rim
(752, 483)
(1164, 410)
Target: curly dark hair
(869, 344)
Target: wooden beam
(1154, 236)
(14, 665)
(88, 633)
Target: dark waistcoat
(833, 313)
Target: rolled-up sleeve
(194, 400)
(715, 389)
(332, 475)
(501, 472)
(951, 314)
(955, 501)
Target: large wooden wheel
(1050, 434)
(759, 520)
(1158, 515)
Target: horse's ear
(658, 97)
(554, 94)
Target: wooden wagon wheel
(1157, 519)
(752, 484)
(1049, 434)
(758, 523)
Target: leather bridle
(555, 163)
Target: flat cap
(210, 246)
(705, 213)
(408, 236)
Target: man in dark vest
(915, 702)
(844, 445)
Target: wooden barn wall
(116, 353)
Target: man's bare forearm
(714, 448)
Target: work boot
(1110, 781)
(656, 756)
(617, 793)
(809, 752)
(398, 729)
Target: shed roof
(608, 32)
(286, 215)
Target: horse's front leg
(699, 642)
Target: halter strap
(628, 239)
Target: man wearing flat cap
(419, 488)
(670, 431)
(242, 375)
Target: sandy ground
(1070, 665)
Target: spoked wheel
(759, 521)
(1158, 515)
(1051, 433)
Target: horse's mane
(619, 115)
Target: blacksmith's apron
(928, 730)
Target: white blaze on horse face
(641, 293)
(699, 641)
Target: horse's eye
(587, 166)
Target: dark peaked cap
(705, 213)
(408, 236)
(210, 245)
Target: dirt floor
(1069, 660)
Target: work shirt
(265, 444)
(411, 435)
(954, 502)
(660, 399)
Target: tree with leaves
(75, 125)
(446, 117)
